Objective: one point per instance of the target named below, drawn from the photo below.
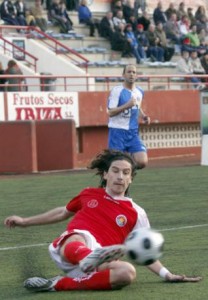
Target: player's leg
(116, 139)
(141, 159)
(138, 151)
(113, 275)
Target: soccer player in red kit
(88, 251)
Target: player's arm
(164, 273)
(52, 216)
(145, 117)
(117, 110)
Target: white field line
(46, 244)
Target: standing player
(125, 109)
(87, 254)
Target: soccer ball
(144, 246)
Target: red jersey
(108, 219)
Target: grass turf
(175, 200)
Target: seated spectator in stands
(144, 20)
(85, 17)
(142, 40)
(128, 10)
(196, 63)
(57, 14)
(139, 5)
(184, 26)
(119, 42)
(115, 6)
(168, 50)
(159, 15)
(133, 23)
(204, 62)
(13, 69)
(170, 10)
(201, 11)
(72, 5)
(107, 26)
(9, 13)
(30, 19)
(155, 51)
(172, 30)
(48, 3)
(181, 11)
(21, 12)
(202, 24)
(192, 19)
(2, 80)
(193, 37)
(118, 18)
(38, 14)
(135, 47)
(184, 66)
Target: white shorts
(71, 270)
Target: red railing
(54, 44)
(99, 83)
(20, 52)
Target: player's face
(130, 74)
(118, 177)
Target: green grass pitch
(176, 200)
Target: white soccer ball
(144, 246)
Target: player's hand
(146, 120)
(13, 221)
(182, 278)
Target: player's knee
(124, 275)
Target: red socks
(93, 281)
(76, 251)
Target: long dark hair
(103, 161)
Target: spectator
(184, 26)
(192, 19)
(154, 51)
(201, 23)
(107, 27)
(72, 5)
(128, 10)
(168, 50)
(48, 3)
(118, 18)
(2, 80)
(142, 40)
(115, 6)
(172, 30)
(133, 23)
(159, 15)
(9, 13)
(58, 15)
(13, 69)
(135, 48)
(181, 11)
(85, 17)
(30, 19)
(193, 37)
(170, 10)
(204, 62)
(119, 41)
(21, 12)
(185, 67)
(38, 14)
(196, 64)
(139, 5)
(201, 11)
(144, 20)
